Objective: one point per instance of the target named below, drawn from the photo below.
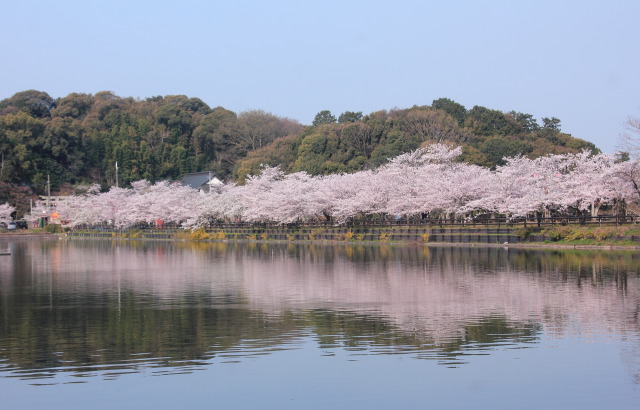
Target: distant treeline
(354, 141)
(79, 138)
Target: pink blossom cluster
(5, 213)
(142, 203)
(426, 181)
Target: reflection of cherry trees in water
(427, 181)
(190, 303)
(452, 288)
(429, 291)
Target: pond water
(181, 325)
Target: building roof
(196, 180)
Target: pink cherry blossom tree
(80, 209)
(223, 205)
(425, 181)
(5, 212)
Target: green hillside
(79, 138)
(354, 141)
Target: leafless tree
(433, 125)
(629, 140)
(259, 128)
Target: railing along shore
(489, 230)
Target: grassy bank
(623, 235)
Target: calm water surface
(182, 325)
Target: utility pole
(116, 174)
(48, 194)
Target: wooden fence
(603, 220)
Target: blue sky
(575, 60)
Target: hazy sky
(576, 60)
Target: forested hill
(79, 138)
(354, 141)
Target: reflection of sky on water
(300, 378)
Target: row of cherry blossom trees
(423, 182)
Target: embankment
(571, 236)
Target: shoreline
(530, 245)
(28, 235)
(520, 245)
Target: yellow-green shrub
(218, 235)
(199, 235)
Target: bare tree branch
(629, 140)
